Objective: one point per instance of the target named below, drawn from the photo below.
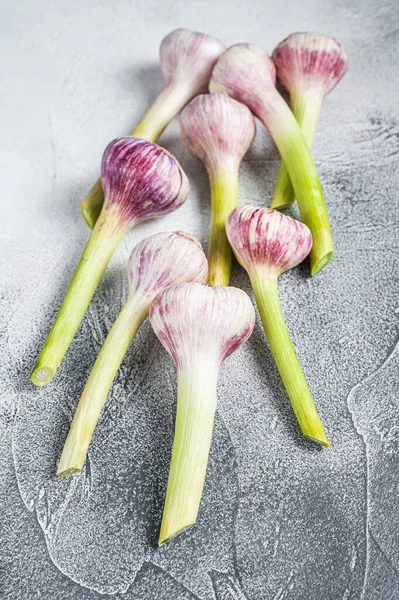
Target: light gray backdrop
(280, 519)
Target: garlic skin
(199, 326)
(156, 262)
(162, 260)
(310, 61)
(141, 181)
(217, 130)
(194, 322)
(246, 73)
(188, 57)
(267, 241)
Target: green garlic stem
(196, 405)
(306, 109)
(267, 300)
(98, 251)
(224, 198)
(168, 104)
(98, 385)
(296, 155)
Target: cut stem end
(42, 376)
(276, 205)
(323, 441)
(68, 472)
(165, 538)
(91, 214)
(320, 264)
(92, 204)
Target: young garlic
(309, 66)
(199, 326)
(248, 74)
(219, 130)
(267, 243)
(157, 262)
(187, 59)
(141, 181)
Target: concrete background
(280, 519)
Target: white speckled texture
(280, 518)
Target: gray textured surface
(280, 519)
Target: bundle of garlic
(202, 324)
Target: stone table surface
(280, 519)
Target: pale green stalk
(168, 104)
(224, 198)
(99, 383)
(196, 405)
(296, 155)
(102, 243)
(267, 300)
(306, 108)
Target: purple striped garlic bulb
(156, 263)
(267, 243)
(141, 181)
(187, 59)
(218, 130)
(162, 260)
(311, 62)
(199, 326)
(309, 66)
